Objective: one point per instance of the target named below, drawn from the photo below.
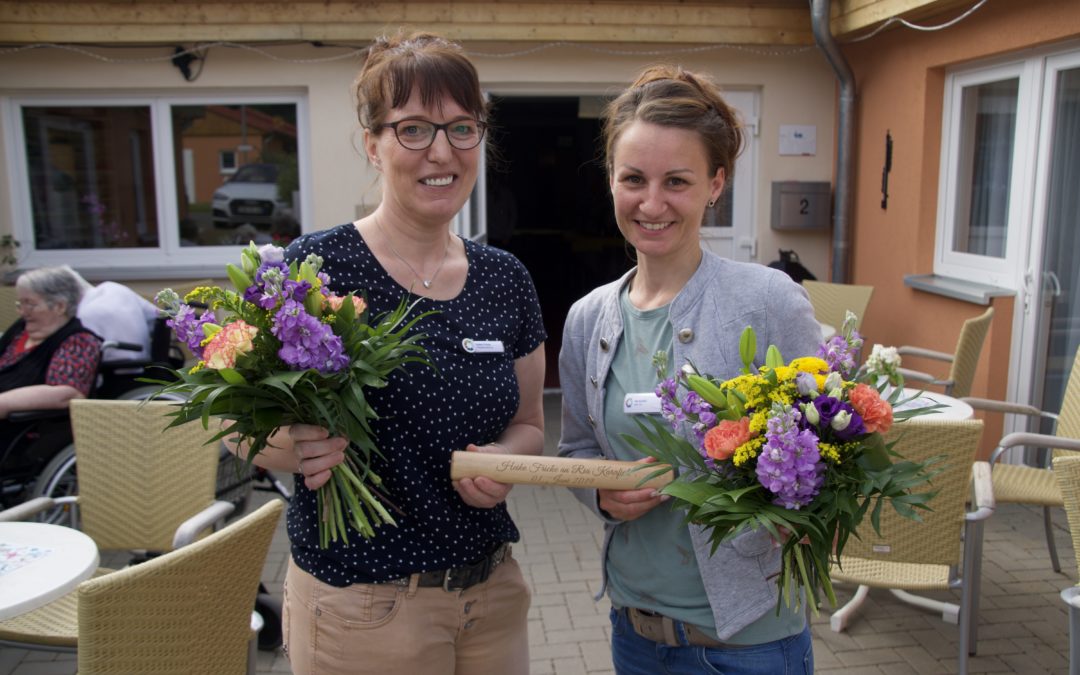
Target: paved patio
(1023, 624)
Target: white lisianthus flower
(841, 421)
(269, 253)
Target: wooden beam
(779, 22)
(855, 16)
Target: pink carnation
(358, 303)
(230, 342)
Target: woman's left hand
(482, 492)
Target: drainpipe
(841, 240)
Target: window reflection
(91, 177)
(237, 169)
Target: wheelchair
(38, 457)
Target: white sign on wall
(798, 139)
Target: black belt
(660, 628)
(465, 576)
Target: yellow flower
(747, 451)
(829, 452)
(785, 373)
(758, 422)
(810, 364)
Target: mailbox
(800, 205)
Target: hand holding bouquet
(794, 448)
(281, 349)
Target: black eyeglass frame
(436, 128)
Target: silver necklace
(426, 282)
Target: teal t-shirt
(650, 563)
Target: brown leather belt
(465, 576)
(660, 628)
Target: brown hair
(428, 62)
(673, 97)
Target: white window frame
(227, 170)
(1007, 271)
(169, 259)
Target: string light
(200, 51)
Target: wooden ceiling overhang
(148, 22)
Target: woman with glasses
(439, 593)
(47, 357)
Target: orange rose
(722, 440)
(875, 412)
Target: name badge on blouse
(641, 404)
(482, 346)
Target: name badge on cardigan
(641, 404)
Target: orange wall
(899, 83)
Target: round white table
(40, 563)
(954, 409)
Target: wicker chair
(832, 302)
(184, 612)
(1035, 485)
(8, 313)
(964, 361)
(140, 488)
(1067, 473)
(921, 556)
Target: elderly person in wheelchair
(47, 357)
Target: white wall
(795, 88)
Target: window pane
(987, 140)
(91, 177)
(237, 174)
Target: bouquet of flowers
(281, 349)
(796, 448)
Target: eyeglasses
(20, 305)
(418, 134)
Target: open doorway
(548, 203)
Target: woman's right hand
(316, 453)
(630, 504)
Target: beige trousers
(389, 628)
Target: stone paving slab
(1023, 626)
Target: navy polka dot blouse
(425, 413)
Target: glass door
(1051, 332)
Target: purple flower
(789, 465)
(188, 328)
(840, 353)
(827, 407)
(306, 342)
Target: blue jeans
(635, 655)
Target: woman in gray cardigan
(671, 143)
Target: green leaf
(747, 348)
(773, 359)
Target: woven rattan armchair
(928, 555)
(1067, 473)
(141, 488)
(1035, 485)
(183, 613)
(8, 313)
(832, 302)
(963, 361)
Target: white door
(729, 226)
(1050, 303)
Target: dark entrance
(548, 204)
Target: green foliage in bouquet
(279, 350)
(795, 449)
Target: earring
(712, 203)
